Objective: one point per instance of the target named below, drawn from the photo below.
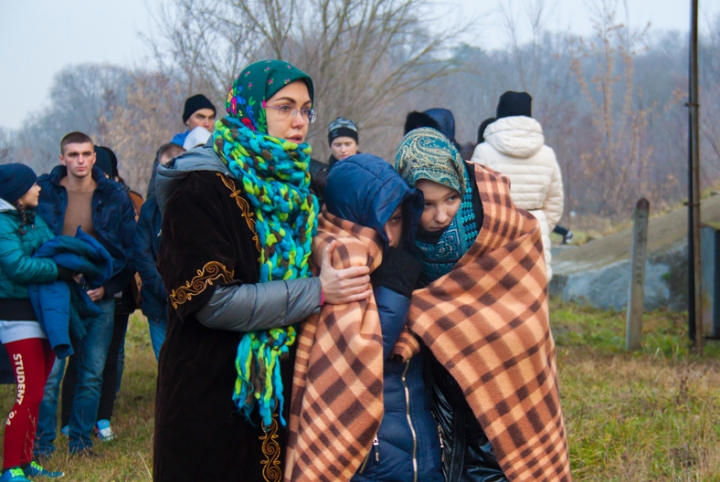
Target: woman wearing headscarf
(482, 313)
(238, 226)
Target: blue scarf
(427, 154)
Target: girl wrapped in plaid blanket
(483, 314)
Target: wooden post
(636, 299)
(695, 319)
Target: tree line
(612, 104)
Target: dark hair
(28, 217)
(170, 150)
(466, 150)
(74, 138)
(481, 129)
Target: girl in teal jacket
(31, 357)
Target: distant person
(466, 150)
(438, 118)
(481, 130)
(32, 358)
(566, 234)
(514, 145)
(146, 248)
(197, 137)
(103, 161)
(343, 139)
(76, 193)
(198, 111)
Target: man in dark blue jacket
(146, 246)
(76, 194)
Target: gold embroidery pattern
(244, 206)
(271, 450)
(205, 276)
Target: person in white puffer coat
(514, 145)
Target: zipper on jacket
(442, 444)
(409, 419)
(376, 448)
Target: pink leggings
(31, 359)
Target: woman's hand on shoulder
(343, 285)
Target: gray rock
(598, 273)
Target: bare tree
(710, 97)
(362, 54)
(6, 147)
(78, 98)
(135, 129)
(526, 55)
(618, 161)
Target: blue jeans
(157, 334)
(47, 418)
(91, 352)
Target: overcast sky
(39, 37)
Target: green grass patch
(651, 415)
(129, 457)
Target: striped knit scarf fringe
(275, 178)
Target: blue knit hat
(15, 181)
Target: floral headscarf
(425, 153)
(255, 85)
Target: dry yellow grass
(643, 417)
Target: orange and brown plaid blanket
(337, 397)
(487, 322)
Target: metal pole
(695, 322)
(633, 334)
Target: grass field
(652, 415)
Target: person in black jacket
(147, 244)
(343, 140)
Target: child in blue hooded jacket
(365, 190)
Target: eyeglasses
(289, 112)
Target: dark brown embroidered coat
(208, 239)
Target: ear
(62, 160)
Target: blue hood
(445, 120)
(366, 190)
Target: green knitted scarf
(276, 180)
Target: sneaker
(103, 431)
(65, 430)
(14, 474)
(35, 470)
(568, 237)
